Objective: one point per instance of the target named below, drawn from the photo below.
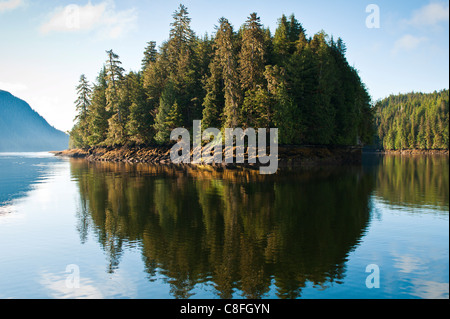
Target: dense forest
(413, 121)
(244, 78)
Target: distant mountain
(23, 130)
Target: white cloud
(427, 289)
(58, 289)
(407, 43)
(103, 18)
(9, 4)
(101, 288)
(430, 15)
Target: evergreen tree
(83, 101)
(150, 54)
(98, 113)
(282, 39)
(114, 74)
(182, 66)
(140, 120)
(214, 101)
(226, 56)
(82, 104)
(174, 118)
(167, 100)
(252, 55)
(284, 110)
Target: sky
(45, 45)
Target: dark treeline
(413, 121)
(248, 77)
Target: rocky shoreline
(287, 155)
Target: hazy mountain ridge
(23, 130)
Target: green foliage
(80, 132)
(413, 121)
(98, 114)
(150, 54)
(166, 103)
(245, 78)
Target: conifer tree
(99, 115)
(140, 120)
(252, 55)
(174, 118)
(114, 74)
(284, 110)
(182, 66)
(150, 54)
(213, 103)
(167, 100)
(226, 57)
(83, 101)
(282, 39)
(82, 105)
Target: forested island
(248, 77)
(413, 121)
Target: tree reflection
(241, 232)
(414, 180)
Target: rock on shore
(287, 155)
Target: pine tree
(98, 114)
(282, 39)
(174, 118)
(284, 110)
(83, 101)
(226, 57)
(296, 31)
(150, 54)
(182, 62)
(181, 34)
(114, 74)
(167, 100)
(154, 78)
(82, 104)
(252, 55)
(213, 104)
(140, 120)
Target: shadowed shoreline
(287, 155)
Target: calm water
(140, 231)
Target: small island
(246, 78)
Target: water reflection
(238, 231)
(18, 172)
(413, 181)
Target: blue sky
(45, 45)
